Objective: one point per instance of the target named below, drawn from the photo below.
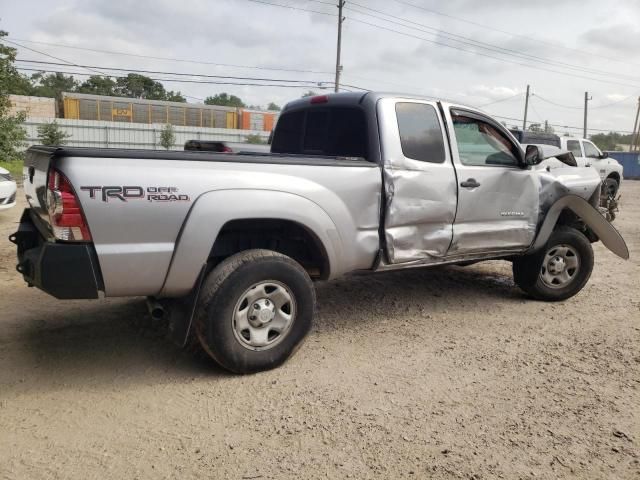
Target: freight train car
(136, 110)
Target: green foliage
(273, 106)
(52, 85)
(256, 139)
(610, 141)
(167, 136)
(14, 167)
(310, 93)
(225, 100)
(51, 134)
(12, 135)
(140, 86)
(98, 85)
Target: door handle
(470, 183)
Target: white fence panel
(91, 133)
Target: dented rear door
(420, 182)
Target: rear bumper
(64, 270)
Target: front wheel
(560, 270)
(256, 307)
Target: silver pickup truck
(228, 245)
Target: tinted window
(337, 131)
(480, 143)
(420, 133)
(288, 133)
(590, 150)
(574, 147)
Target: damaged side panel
(421, 195)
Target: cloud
(621, 39)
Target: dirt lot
(446, 373)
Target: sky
(481, 54)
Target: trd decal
(126, 193)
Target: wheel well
(615, 176)
(569, 219)
(282, 236)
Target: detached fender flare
(214, 209)
(607, 234)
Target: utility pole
(526, 109)
(635, 136)
(586, 102)
(338, 66)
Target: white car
(587, 154)
(7, 190)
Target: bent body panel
(608, 235)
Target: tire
(610, 188)
(560, 270)
(255, 309)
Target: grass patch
(14, 167)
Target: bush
(51, 134)
(167, 137)
(256, 139)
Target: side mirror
(533, 155)
(604, 155)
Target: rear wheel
(558, 271)
(256, 307)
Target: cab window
(574, 147)
(590, 150)
(482, 144)
(420, 133)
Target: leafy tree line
(132, 86)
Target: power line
(476, 43)
(182, 74)
(169, 59)
(48, 55)
(570, 127)
(591, 54)
(501, 100)
(557, 104)
(175, 80)
(293, 8)
(490, 56)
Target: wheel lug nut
(266, 302)
(256, 306)
(252, 317)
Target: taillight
(65, 214)
(227, 149)
(320, 99)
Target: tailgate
(36, 167)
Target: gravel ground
(442, 373)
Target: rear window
(420, 133)
(336, 131)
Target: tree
(98, 85)
(310, 93)
(535, 127)
(225, 100)
(51, 134)
(167, 136)
(610, 141)
(12, 135)
(274, 107)
(140, 86)
(175, 97)
(52, 85)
